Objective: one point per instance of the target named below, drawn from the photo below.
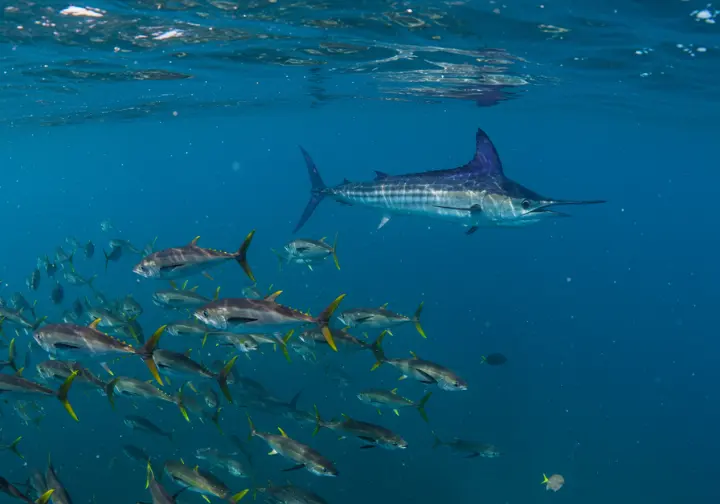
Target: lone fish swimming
(475, 194)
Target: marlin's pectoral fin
(294, 468)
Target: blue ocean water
(174, 119)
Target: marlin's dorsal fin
(486, 160)
(195, 240)
(380, 175)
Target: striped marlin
(476, 194)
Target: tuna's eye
(205, 312)
(525, 204)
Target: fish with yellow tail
(303, 455)
(191, 259)
(201, 481)
(76, 341)
(419, 369)
(308, 252)
(390, 399)
(180, 364)
(157, 492)
(137, 389)
(10, 489)
(554, 482)
(16, 385)
(371, 435)
(248, 316)
(380, 318)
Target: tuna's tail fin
(319, 423)
(324, 319)
(241, 256)
(222, 378)
(316, 192)
(62, 395)
(416, 320)
(377, 350)
(13, 447)
(334, 252)
(421, 406)
(146, 352)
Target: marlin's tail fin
(316, 192)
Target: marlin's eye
(525, 204)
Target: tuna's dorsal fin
(194, 240)
(486, 160)
(385, 305)
(94, 323)
(273, 296)
(413, 354)
(380, 175)
(393, 391)
(346, 181)
(282, 432)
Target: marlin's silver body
(476, 194)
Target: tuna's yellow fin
(334, 252)
(238, 496)
(94, 323)
(273, 452)
(282, 432)
(150, 475)
(63, 395)
(207, 499)
(273, 296)
(394, 391)
(194, 240)
(44, 498)
(416, 320)
(396, 412)
(545, 479)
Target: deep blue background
(606, 318)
